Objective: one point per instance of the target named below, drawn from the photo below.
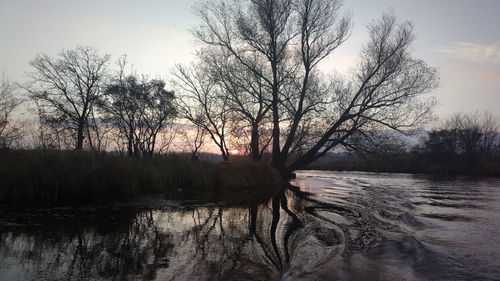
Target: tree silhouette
(282, 43)
(201, 103)
(463, 135)
(67, 87)
(8, 102)
(139, 108)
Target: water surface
(336, 226)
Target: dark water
(340, 226)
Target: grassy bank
(415, 163)
(44, 178)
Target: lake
(333, 226)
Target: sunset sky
(460, 37)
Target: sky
(459, 37)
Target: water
(339, 226)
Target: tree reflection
(207, 242)
(113, 247)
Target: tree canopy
(261, 59)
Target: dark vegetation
(464, 144)
(416, 163)
(48, 178)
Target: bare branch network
(262, 60)
(256, 85)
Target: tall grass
(46, 178)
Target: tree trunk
(137, 152)
(130, 144)
(254, 142)
(276, 152)
(152, 148)
(296, 120)
(79, 137)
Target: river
(333, 226)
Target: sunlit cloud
(473, 52)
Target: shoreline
(410, 172)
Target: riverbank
(46, 178)
(414, 163)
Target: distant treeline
(414, 162)
(465, 144)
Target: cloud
(473, 52)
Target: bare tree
(66, 88)
(8, 102)
(489, 129)
(288, 47)
(195, 138)
(388, 91)
(99, 132)
(476, 133)
(157, 111)
(262, 28)
(248, 98)
(167, 136)
(140, 109)
(311, 116)
(202, 104)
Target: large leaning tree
(67, 87)
(281, 44)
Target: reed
(48, 178)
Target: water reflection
(338, 226)
(207, 242)
(116, 247)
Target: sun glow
(234, 151)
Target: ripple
(447, 217)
